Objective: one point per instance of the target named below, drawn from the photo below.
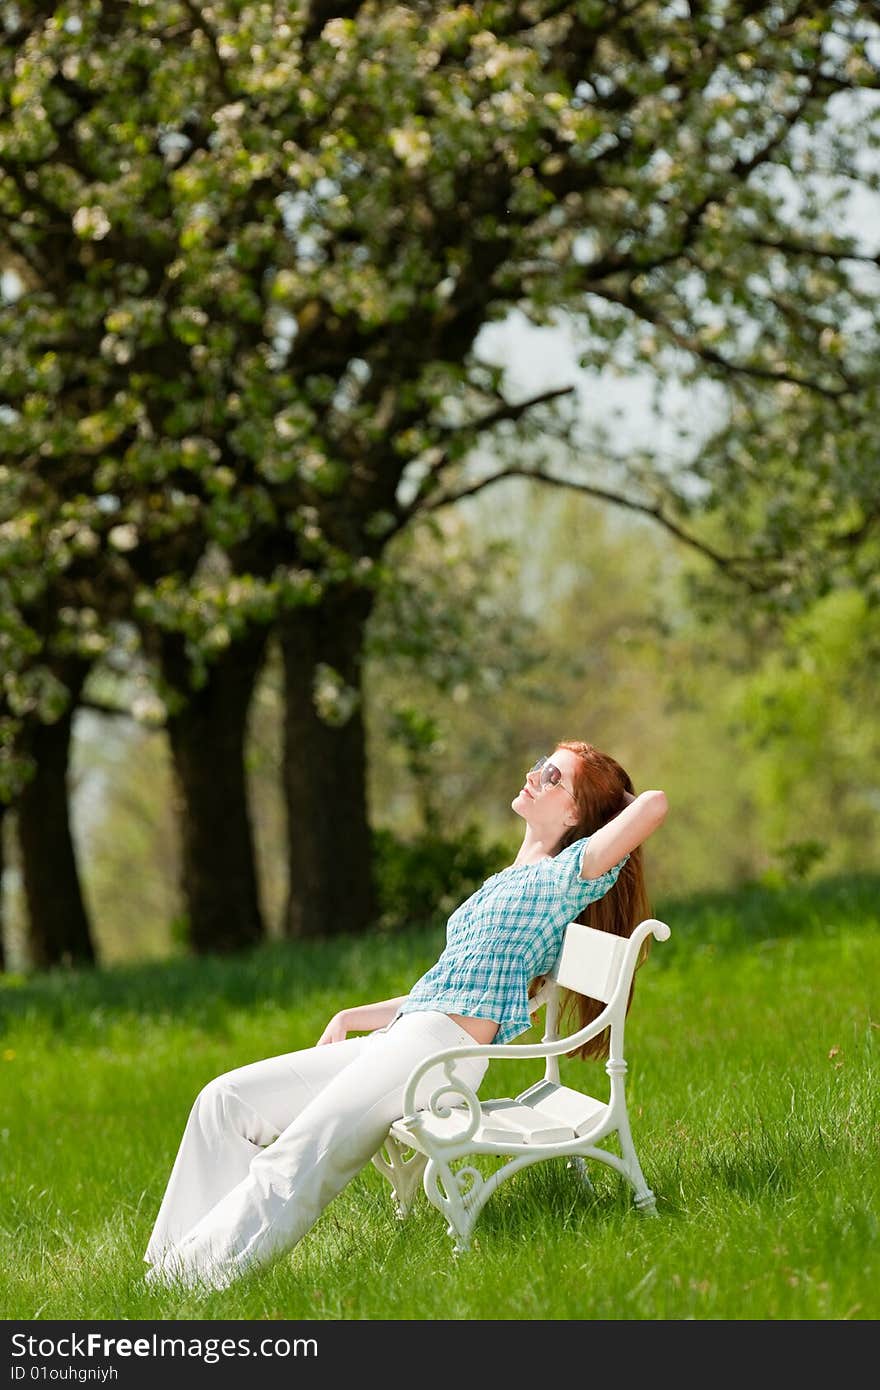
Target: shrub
(427, 877)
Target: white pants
(267, 1146)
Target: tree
(449, 632)
(258, 255)
(791, 477)
(42, 681)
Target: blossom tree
(253, 246)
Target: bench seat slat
(544, 1114)
(561, 1103)
(503, 1121)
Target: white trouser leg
(289, 1183)
(232, 1118)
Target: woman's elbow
(658, 804)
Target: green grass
(753, 1097)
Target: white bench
(547, 1120)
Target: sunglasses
(550, 775)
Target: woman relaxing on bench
(268, 1145)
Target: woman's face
(549, 813)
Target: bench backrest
(590, 961)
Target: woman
(267, 1146)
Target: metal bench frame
(547, 1120)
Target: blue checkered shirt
(504, 935)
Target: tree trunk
(325, 771)
(58, 924)
(3, 810)
(207, 737)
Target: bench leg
(403, 1173)
(458, 1196)
(642, 1195)
(579, 1164)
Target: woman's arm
(620, 836)
(363, 1018)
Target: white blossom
(148, 709)
(124, 537)
(335, 701)
(337, 32)
(412, 147)
(227, 114)
(92, 224)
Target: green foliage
(447, 634)
(788, 487)
(799, 858)
(247, 262)
(425, 878)
(802, 718)
(448, 612)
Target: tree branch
(506, 411)
(689, 343)
(611, 263)
(654, 510)
(801, 248)
(118, 712)
(200, 22)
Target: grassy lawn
(753, 1097)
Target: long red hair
(599, 785)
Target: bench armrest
(548, 1047)
(448, 1056)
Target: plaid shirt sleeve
(575, 891)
